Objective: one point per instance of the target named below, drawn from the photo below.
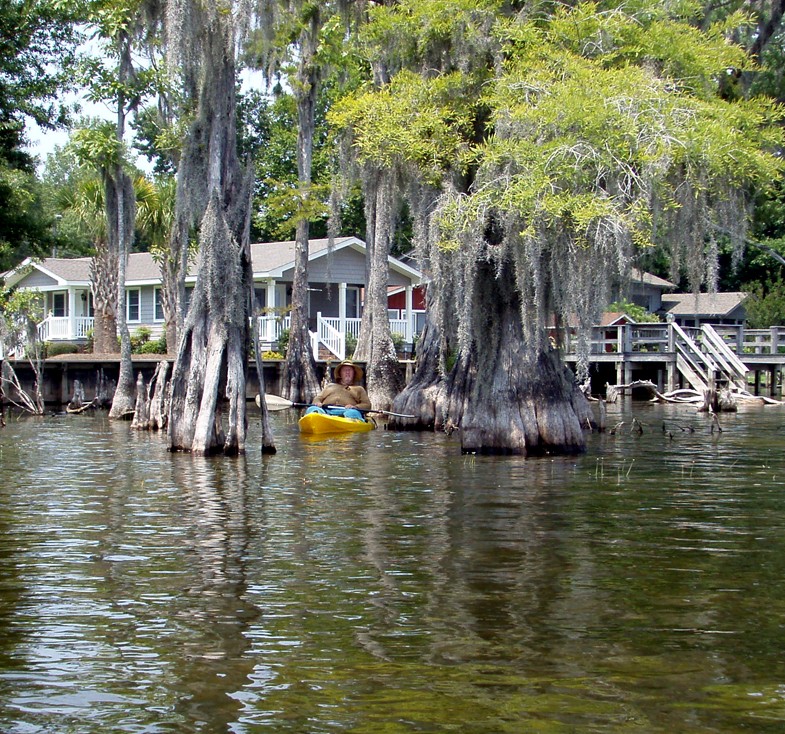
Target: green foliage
(638, 313)
(398, 341)
(141, 343)
(154, 346)
(37, 47)
(155, 199)
(97, 145)
(766, 305)
(424, 122)
(351, 345)
(20, 311)
(139, 338)
(54, 349)
(283, 340)
(25, 225)
(269, 134)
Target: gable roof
(61, 270)
(269, 260)
(703, 305)
(272, 259)
(616, 318)
(641, 276)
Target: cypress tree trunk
(375, 346)
(298, 380)
(503, 398)
(212, 356)
(421, 396)
(512, 401)
(120, 203)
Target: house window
(159, 305)
(59, 305)
(132, 305)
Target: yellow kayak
(317, 423)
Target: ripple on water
(387, 582)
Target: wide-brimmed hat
(358, 371)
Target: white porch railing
(397, 326)
(328, 335)
(352, 325)
(54, 328)
(270, 327)
(402, 327)
(328, 331)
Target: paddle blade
(274, 402)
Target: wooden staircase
(707, 362)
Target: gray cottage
(337, 278)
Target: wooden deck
(621, 354)
(618, 355)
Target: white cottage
(337, 281)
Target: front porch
(329, 335)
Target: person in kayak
(343, 395)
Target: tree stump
(158, 397)
(77, 399)
(141, 419)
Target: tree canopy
(37, 46)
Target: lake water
(383, 582)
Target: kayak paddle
(276, 402)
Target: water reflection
(385, 582)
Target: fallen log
(724, 400)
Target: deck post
(775, 339)
(626, 345)
(409, 317)
(269, 302)
(71, 313)
(342, 308)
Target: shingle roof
(276, 256)
(613, 318)
(702, 304)
(641, 276)
(70, 269)
(267, 257)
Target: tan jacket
(337, 394)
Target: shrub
(272, 355)
(52, 349)
(283, 341)
(351, 345)
(398, 340)
(638, 313)
(766, 306)
(140, 337)
(157, 346)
